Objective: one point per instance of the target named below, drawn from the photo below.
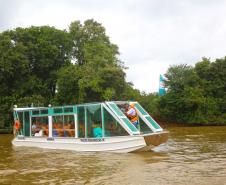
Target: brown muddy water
(193, 155)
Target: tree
(29, 62)
(97, 73)
(213, 77)
(196, 94)
(184, 97)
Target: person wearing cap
(132, 115)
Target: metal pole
(102, 120)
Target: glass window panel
(58, 110)
(58, 126)
(45, 111)
(20, 116)
(63, 126)
(69, 126)
(112, 127)
(27, 123)
(94, 123)
(116, 109)
(119, 109)
(35, 112)
(40, 126)
(154, 124)
(137, 105)
(129, 124)
(81, 121)
(68, 109)
(142, 126)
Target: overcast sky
(151, 34)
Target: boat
(72, 128)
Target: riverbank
(166, 125)
(6, 131)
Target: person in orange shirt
(17, 127)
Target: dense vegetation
(42, 65)
(196, 94)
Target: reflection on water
(193, 155)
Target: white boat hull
(120, 144)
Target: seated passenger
(45, 130)
(40, 133)
(81, 132)
(55, 130)
(60, 129)
(97, 131)
(35, 129)
(66, 130)
(71, 129)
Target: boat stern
(154, 139)
(157, 138)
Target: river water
(192, 155)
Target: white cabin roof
(28, 108)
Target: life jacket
(17, 124)
(133, 118)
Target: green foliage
(150, 102)
(97, 74)
(67, 85)
(196, 94)
(29, 62)
(129, 93)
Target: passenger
(38, 129)
(132, 114)
(45, 130)
(34, 129)
(66, 130)
(55, 128)
(60, 129)
(81, 129)
(17, 127)
(97, 131)
(40, 133)
(71, 130)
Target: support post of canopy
(102, 118)
(75, 111)
(76, 125)
(86, 130)
(50, 121)
(30, 122)
(23, 123)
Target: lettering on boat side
(50, 139)
(92, 139)
(20, 137)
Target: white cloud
(151, 34)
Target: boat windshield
(141, 126)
